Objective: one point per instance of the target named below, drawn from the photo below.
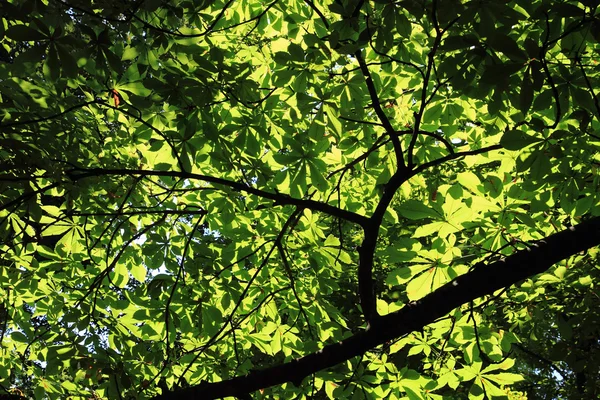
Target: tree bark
(483, 280)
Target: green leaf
(24, 33)
(332, 241)
(193, 191)
(492, 390)
(119, 276)
(497, 74)
(505, 378)
(130, 53)
(136, 88)
(416, 210)
(51, 67)
(565, 329)
(470, 181)
(19, 337)
(517, 140)
(526, 94)
(211, 321)
(296, 52)
(67, 61)
(138, 271)
(403, 25)
(421, 285)
(508, 46)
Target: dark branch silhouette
(481, 281)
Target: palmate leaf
(24, 33)
(517, 140)
(342, 200)
(415, 210)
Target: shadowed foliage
(297, 199)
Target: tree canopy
(299, 199)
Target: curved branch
(378, 110)
(437, 137)
(183, 35)
(60, 114)
(454, 156)
(378, 143)
(481, 281)
(542, 360)
(439, 34)
(553, 88)
(590, 88)
(292, 219)
(318, 12)
(148, 125)
(279, 198)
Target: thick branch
(366, 251)
(482, 280)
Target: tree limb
(279, 198)
(482, 280)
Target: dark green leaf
(526, 94)
(24, 33)
(507, 45)
(517, 140)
